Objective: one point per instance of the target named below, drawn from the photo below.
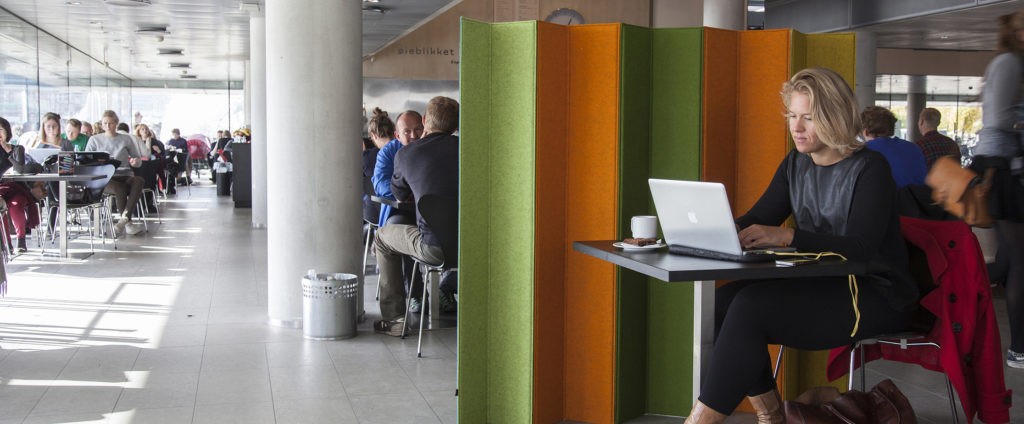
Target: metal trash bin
(329, 306)
(222, 175)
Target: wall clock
(565, 16)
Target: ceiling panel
(214, 34)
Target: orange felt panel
(549, 272)
(761, 143)
(718, 142)
(591, 199)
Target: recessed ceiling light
(188, 76)
(152, 30)
(375, 9)
(180, 65)
(72, 3)
(95, 22)
(170, 52)
(371, 1)
(129, 3)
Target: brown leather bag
(961, 192)
(884, 404)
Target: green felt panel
(497, 149)
(797, 51)
(675, 154)
(634, 169)
(475, 97)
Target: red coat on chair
(971, 353)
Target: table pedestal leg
(63, 214)
(703, 331)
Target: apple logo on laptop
(692, 216)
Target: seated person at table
(409, 128)
(180, 157)
(371, 209)
(74, 134)
(49, 135)
(152, 150)
(933, 144)
(19, 197)
(407, 131)
(430, 166)
(905, 158)
(86, 129)
(843, 200)
(125, 187)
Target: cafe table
(62, 183)
(405, 206)
(702, 273)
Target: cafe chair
(100, 204)
(146, 193)
(442, 215)
(943, 335)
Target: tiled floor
(170, 329)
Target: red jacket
(971, 354)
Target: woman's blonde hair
(834, 108)
(1009, 24)
(138, 129)
(41, 138)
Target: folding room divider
(561, 126)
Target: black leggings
(808, 314)
(1011, 244)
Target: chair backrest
(368, 186)
(95, 187)
(442, 215)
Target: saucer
(630, 247)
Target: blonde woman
(49, 134)
(125, 187)
(843, 199)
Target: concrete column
(314, 91)
(258, 121)
(726, 14)
(247, 95)
(865, 69)
(915, 104)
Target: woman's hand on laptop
(762, 235)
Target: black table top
(405, 206)
(661, 264)
(49, 177)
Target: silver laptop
(40, 154)
(696, 220)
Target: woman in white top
(126, 188)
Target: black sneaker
(415, 305)
(22, 246)
(1014, 359)
(391, 328)
(448, 303)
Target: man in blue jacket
(429, 167)
(408, 129)
(905, 158)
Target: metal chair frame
(444, 222)
(904, 341)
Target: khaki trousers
(391, 243)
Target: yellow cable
(851, 281)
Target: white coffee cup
(644, 226)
